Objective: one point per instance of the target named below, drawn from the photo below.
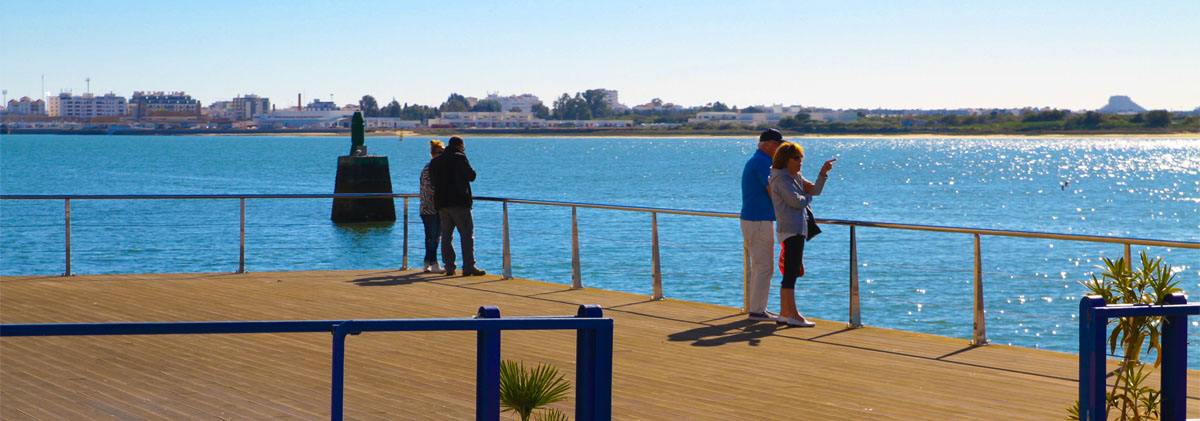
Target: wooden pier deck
(672, 359)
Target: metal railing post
(855, 309)
(655, 263)
(576, 278)
(1173, 382)
(487, 368)
(980, 336)
(1092, 403)
(507, 250)
(404, 260)
(337, 383)
(242, 237)
(593, 368)
(1128, 260)
(68, 240)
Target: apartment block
(86, 106)
(146, 104)
(248, 106)
(26, 106)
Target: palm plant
(523, 391)
(1149, 285)
(551, 414)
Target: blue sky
(892, 54)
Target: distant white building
(471, 119)
(292, 119)
(242, 108)
(752, 119)
(26, 106)
(387, 123)
(771, 115)
(317, 105)
(590, 123)
(610, 97)
(248, 106)
(650, 106)
(715, 116)
(147, 104)
(220, 110)
(524, 102)
(86, 106)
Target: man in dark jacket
(451, 175)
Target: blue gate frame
(593, 361)
(1093, 334)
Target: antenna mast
(89, 84)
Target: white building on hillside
(524, 102)
(86, 106)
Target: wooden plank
(672, 359)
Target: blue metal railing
(593, 363)
(1093, 324)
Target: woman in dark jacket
(429, 216)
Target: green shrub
(523, 391)
(1150, 284)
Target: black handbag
(813, 229)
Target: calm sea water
(919, 281)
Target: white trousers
(758, 239)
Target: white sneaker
(435, 267)
(801, 322)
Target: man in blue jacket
(451, 175)
(758, 231)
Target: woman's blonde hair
(785, 152)
(434, 145)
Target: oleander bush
(1119, 283)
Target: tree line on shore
(1003, 122)
(591, 104)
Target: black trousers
(791, 260)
